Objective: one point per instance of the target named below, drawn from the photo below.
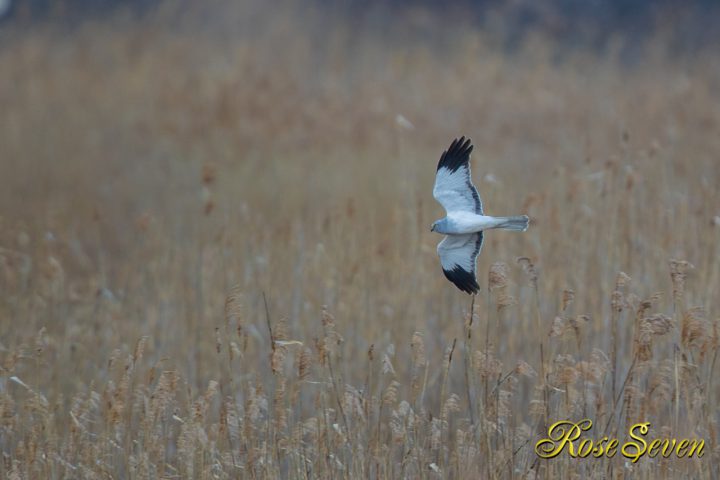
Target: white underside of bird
(465, 221)
(468, 222)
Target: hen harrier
(464, 222)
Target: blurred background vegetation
(166, 164)
(589, 23)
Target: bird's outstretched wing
(453, 186)
(457, 257)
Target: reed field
(216, 258)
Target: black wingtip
(463, 280)
(457, 155)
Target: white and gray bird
(464, 220)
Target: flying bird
(464, 220)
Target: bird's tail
(518, 223)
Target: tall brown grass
(215, 260)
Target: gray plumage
(465, 221)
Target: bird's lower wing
(457, 257)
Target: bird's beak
(432, 228)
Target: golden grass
(215, 258)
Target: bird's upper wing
(453, 186)
(457, 257)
